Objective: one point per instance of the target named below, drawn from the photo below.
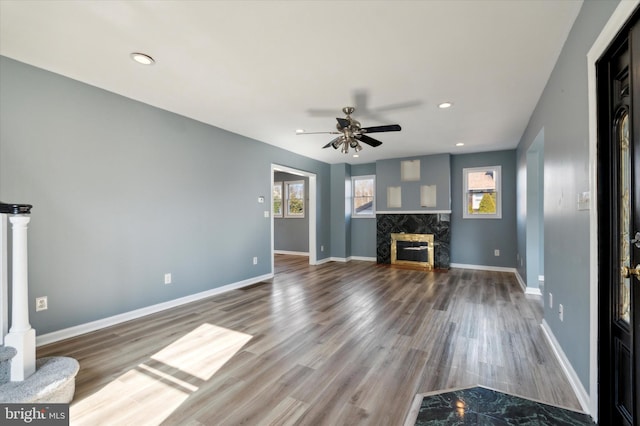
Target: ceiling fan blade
(343, 122)
(369, 140)
(333, 142)
(378, 129)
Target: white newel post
(4, 280)
(21, 336)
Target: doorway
(535, 215)
(311, 210)
(618, 235)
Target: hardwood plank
(286, 413)
(333, 344)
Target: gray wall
(434, 170)
(535, 212)
(124, 192)
(349, 236)
(292, 233)
(473, 241)
(340, 211)
(363, 230)
(563, 113)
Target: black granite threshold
(483, 406)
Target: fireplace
(412, 249)
(436, 224)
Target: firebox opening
(412, 249)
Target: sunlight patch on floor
(168, 377)
(203, 351)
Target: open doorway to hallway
(535, 216)
(303, 214)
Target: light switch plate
(583, 200)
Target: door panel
(624, 285)
(635, 202)
(618, 74)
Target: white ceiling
(266, 68)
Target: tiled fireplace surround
(436, 224)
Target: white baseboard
(533, 291)
(148, 310)
(523, 284)
(528, 290)
(293, 253)
(572, 376)
(350, 258)
(321, 261)
(483, 267)
(364, 258)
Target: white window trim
(353, 197)
(285, 196)
(498, 180)
(281, 214)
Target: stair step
(6, 354)
(53, 382)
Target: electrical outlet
(561, 312)
(551, 300)
(266, 213)
(41, 303)
(255, 260)
(496, 252)
(167, 278)
(321, 248)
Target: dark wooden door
(618, 79)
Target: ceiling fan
(351, 133)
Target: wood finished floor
(334, 344)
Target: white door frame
(311, 210)
(617, 20)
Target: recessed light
(142, 58)
(445, 105)
(460, 144)
(299, 131)
(355, 156)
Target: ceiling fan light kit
(352, 133)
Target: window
(482, 196)
(294, 192)
(364, 191)
(277, 199)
